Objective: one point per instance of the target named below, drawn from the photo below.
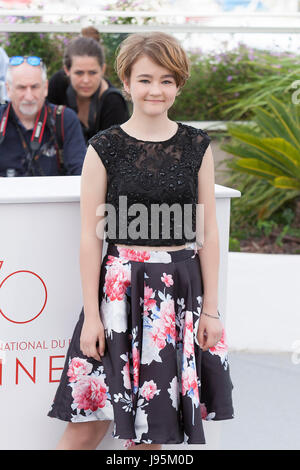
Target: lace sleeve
(100, 142)
(201, 142)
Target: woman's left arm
(210, 329)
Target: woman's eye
(79, 74)
(144, 81)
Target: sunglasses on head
(31, 60)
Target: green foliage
(111, 42)
(276, 74)
(269, 150)
(245, 223)
(265, 227)
(234, 244)
(45, 45)
(219, 82)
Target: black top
(152, 187)
(111, 108)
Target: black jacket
(111, 108)
(14, 157)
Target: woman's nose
(85, 78)
(155, 89)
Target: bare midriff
(154, 248)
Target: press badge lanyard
(36, 137)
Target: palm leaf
(287, 183)
(258, 167)
(269, 152)
(286, 119)
(262, 151)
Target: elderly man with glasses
(36, 137)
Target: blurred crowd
(45, 125)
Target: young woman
(83, 87)
(154, 360)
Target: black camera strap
(38, 130)
(3, 123)
(33, 151)
(37, 133)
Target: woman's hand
(209, 332)
(92, 338)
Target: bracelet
(212, 316)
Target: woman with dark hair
(81, 86)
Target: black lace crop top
(152, 187)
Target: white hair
(10, 67)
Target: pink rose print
(129, 443)
(148, 390)
(134, 255)
(89, 393)
(136, 366)
(189, 382)
(117, 280)
(203, 411)
(188, 335)
(164, 327)
(158, 336)
(149, 302)
(221, 347)
(113, 260)
(167, 279)
(77, 368)
(126, 376)
(167, 318)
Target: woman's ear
(67, 71)
(126, 86)
(103, 68)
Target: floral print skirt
(154, 381)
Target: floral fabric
(154, 380)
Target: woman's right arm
(92, 194)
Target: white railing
(144, 13)
(172, 20)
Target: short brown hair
(162, 48)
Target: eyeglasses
(31, 60)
